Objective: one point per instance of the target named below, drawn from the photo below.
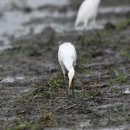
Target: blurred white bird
(67, 59)
(87, 13)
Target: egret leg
(93, 24)
(67, 89)
(85, 24)
(63, 68)
(64, 73)
(66, 83)
(73, 86)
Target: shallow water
(12, 20)
(12, 79)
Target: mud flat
(32, 89)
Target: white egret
(87, 13)
(67, 60)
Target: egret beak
(70, 76)
(70, 82)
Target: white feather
(67, 56)
(67, 60)
(87, 12)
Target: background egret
(87, 13)
(67, 60)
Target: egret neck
(71, 76)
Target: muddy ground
(32, 88)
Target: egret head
(70, 76)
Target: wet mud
(32, 87)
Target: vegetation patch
(123, 24)
(118, 79)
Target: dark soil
(102, 76)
